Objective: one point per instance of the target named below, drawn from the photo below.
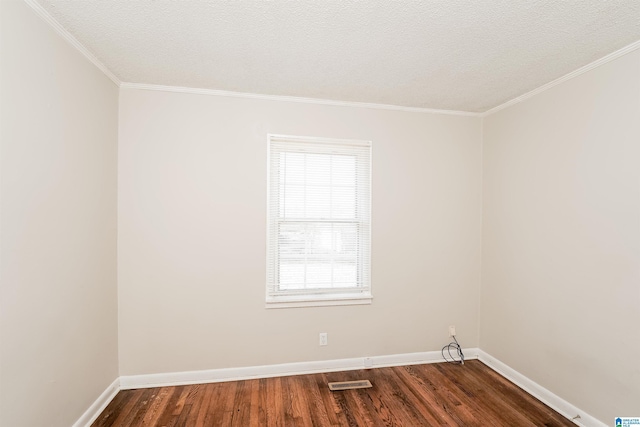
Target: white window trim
(321, 299)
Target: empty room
(319, 213)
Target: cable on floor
(457, 349)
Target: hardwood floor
(420, 395)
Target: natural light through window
(319, 222)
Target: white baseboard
(285, 369)
(300, 368)
(536, 390)
(99, 405)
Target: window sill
(290, 301)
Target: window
(319, 222)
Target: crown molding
(58, 28)
(317, 101)
(608, 58)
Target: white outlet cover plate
(323, 339)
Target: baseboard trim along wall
(300, 368)
(99, 405)
(536, 390)
(285, 369)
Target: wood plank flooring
(438, 394)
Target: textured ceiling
(440, 54)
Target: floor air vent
(349, 385)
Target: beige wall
(58, 313)
(559, 215)
(192, 233)
(561, 239)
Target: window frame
(276, 298)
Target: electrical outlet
(452, 331)
(368, 362)
(323, 338)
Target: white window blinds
(319, 214)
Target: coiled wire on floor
(457, 350)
